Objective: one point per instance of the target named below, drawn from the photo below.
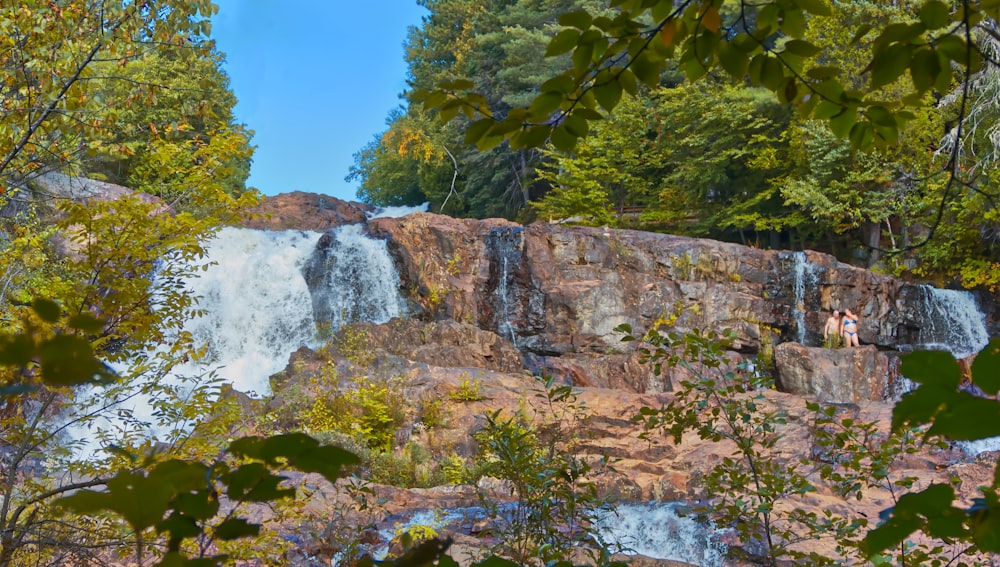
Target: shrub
(468, 390)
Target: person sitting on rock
(831, 332)
(849, 328)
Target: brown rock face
(559, 292)
(305, 211)
(846, 375)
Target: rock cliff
(494, 302)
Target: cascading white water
(257, 305)
(803, 275)
(360, 282)
(652, 529)
(258, 308)
(950, 320)
(657, 530)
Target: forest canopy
(768, 125)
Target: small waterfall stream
(950, 320)
(505, 247)
(658, 530)
(803, 277)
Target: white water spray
(657, 530)
(258, 308)
(803, 275)
(951, 320)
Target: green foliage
(179, 499)
(953, 414)
(617, 54)
(556, 495)
(434, 412)
(353, 343)
(469, 389)
(372, 411)
(723, 402)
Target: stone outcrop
(559, 292)
(305, 211)
(498, 304)
(845, 375)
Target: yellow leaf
(711, 19)
(667, 33)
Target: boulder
(305, 211)
(838, 376)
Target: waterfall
(657, 530)
(257, 307)
(352, 278)
(803, 275)
(654, 529)
(505, 246)
(950, 320)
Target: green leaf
(801, 48)
(925, 68)
(693, 69)
(881, 116)
(576, 125)
(899, 32)
(253, 482)
(532, 137)
(646, 70)
(861, 135)
(579, 19)
(986, 368)
(772, 73)
(562, 139)
(86, 323)
(936, 368)
(842, 123)
(68, 359)
(608, 94)
(582, 56)
(180, 527)
(47, 311)
(889, 64)
(935, 14)
(628, 81)
(823, 72)
(17, 350)
(235, 528)
(475, 131)
(793, 22)
(952, 47)
(733, 60)
(457, 85)
(559, 84)
(563, 42)
(816, 7)
(545, 104)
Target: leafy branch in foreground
(765, 43)
(955, 414)
(180, 500)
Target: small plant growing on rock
(355, 344)
(468, 390)
(555, 497)
(372, 411)
(434, 413)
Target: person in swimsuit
(849, 328)
(831, 332)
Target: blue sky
(315, 80)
